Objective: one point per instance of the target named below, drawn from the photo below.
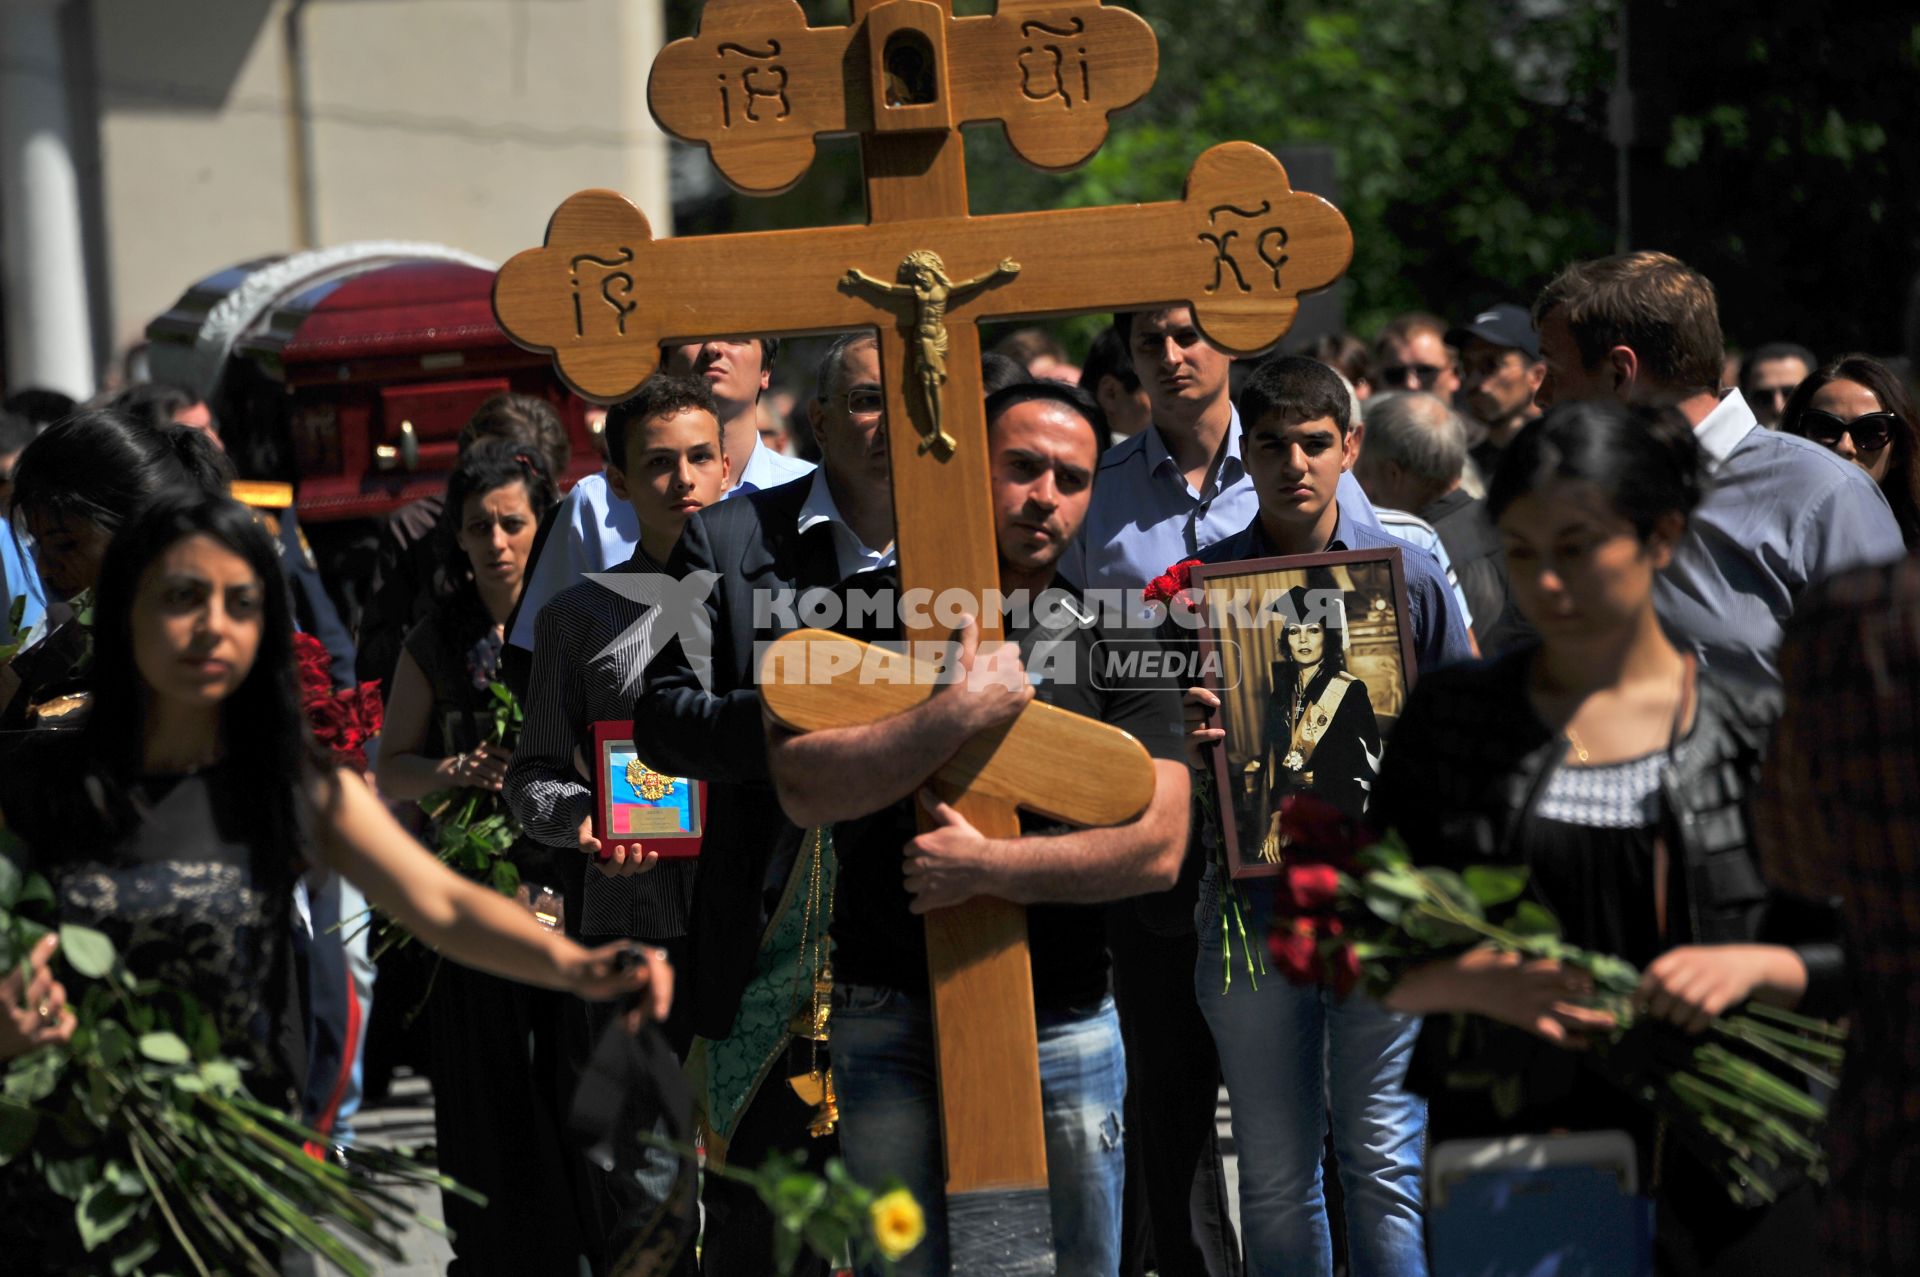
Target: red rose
(343, 723)
(1314, 828)
(1310, 888)
(1172, 584)
(313, 667)
(1346, 970)
(1296, 951)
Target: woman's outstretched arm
(463, 920)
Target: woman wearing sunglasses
(1859, 408)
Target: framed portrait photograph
(1312, 658)
(634, 803)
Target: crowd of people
(1663, 617)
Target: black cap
(1504, 325)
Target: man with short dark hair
(1164, 495)
(1500, 374)
(596, 530)
(1043, 448)
(1781, 513)
(1411, 353)
(1107, 374)
(1275, 1042)
(1411, 461)
(1769, 375)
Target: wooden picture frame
(1244, 652)
(626, 808)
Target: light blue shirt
(1780, 514)
(595, 533)
(1145, 517)
(18, 578)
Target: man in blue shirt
(1164, 495)
(1780, 514)
(1275, 1042)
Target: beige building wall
(463, 122)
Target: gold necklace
(1573, 738)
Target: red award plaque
(634, 803)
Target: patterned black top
(184, 903)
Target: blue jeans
(883, 1073)
(1288, 1054)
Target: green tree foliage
(1777, 155)
(1471, 141)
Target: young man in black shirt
(1044, 453)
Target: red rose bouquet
(341, 721)
(1355, 911)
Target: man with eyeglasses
(1780, 514)
(1501, 373)
(705, 723)
(1768, 376)
(1411, 353)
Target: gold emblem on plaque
(648, 783)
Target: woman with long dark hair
(179, 818)
(494, 1044)
(1858, 407)
(1322, 736)
(1621, 777)
(73, 487)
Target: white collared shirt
(850, 553)
(766, 468)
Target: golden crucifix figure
(923, 276)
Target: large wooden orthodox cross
(757, 85)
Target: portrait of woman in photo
(1321, 734)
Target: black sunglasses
(1870, 430)
(1423, 375)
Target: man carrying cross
(1043, 450)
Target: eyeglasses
(1423, 375)
(866, 401)
(1870, 431)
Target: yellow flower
(898, 1223)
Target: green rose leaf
(113, 1042)
(102, 1212)
(1495, 884)
(33, 1077)
(165, 1048)
(11, 881)
(128, 1261)
(35, 891)
(1531, 919)
(88, 951)
(70, 1177)
(17, 1124)
(222, 1075)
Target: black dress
(499, 1109)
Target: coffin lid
(329, 304)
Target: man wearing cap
(1501, 371)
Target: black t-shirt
(878, 941)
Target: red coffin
(355, 385)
